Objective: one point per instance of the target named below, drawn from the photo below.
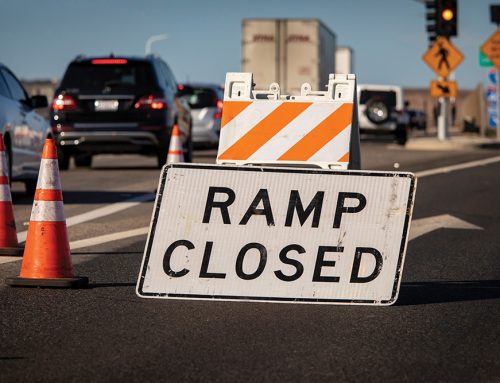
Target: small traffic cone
(175, 153)
(8, 234)
(47, 259)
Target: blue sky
(39, 37)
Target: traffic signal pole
(443, 120)
(442, 19)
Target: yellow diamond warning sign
(443, 89)
(491, 48)
(443, 57)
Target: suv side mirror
(39, 102)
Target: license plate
(106, 105)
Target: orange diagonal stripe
(264, 130)
(231, 109)
(344, 158)
(320, 135)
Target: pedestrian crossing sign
(443, 57)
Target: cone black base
(64, 283)
(12, 251)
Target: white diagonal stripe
(48, 178)
(334, 149)
(5, 193)
(244, 122)
(295, 131)
(47, 211)
(3, 164)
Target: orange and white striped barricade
(317, 128)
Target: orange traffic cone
(8, 234)
(175, 153)
(47, 259)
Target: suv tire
(63, 158)
(161, 157)
(83, 160)
(401, 135)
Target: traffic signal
(441, 18)
(431, 16)
(446, 22)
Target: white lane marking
(93, 241)
(108, 238)
(417, 229)
(101, 212)
(7, 259)
(453, 168)
(423, 226)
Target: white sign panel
(277, 234)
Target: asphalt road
(444, 326)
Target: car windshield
(387, 97)
(86, 77)
(199, 98)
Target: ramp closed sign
(277, 234)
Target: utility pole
(151, 40)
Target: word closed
(277, 234)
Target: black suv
(118, 105)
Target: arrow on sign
(423, 226)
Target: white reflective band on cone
(47, 211)
(5, 193)
(47, 177)
(3, 164)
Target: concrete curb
(462, 142)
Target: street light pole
(151, 40)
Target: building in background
(344, 60)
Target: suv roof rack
(80, 57)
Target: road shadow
(115, 284)
(421, 293)
(123, 167)
(84, 197)
(490, 145)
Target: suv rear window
(88, 77)
(199, 98)
(388, 97)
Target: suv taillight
(218, 114)
(63, 102)
(150, 102)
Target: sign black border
(259, 169)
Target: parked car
(418, 119)
(118, 105)
(205, 101)
(381, 110)
(24, 131)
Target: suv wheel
(161, 156)
(8, 157)
(188, 151)
(63, 158)
(83, 160)
(30, 187)
(401, 135)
